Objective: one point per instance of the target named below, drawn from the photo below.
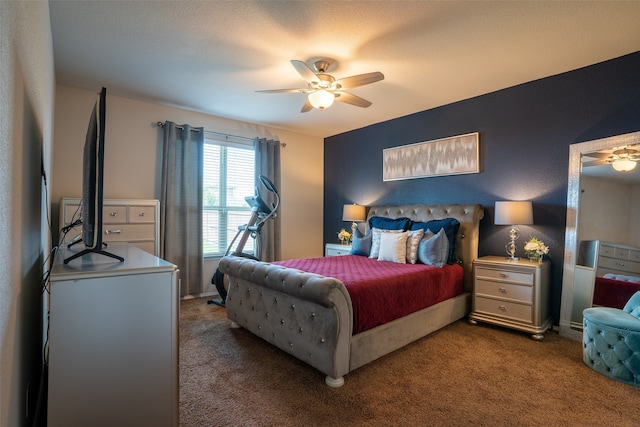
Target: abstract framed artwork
(455, 155)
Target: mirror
(572, 297)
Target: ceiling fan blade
(283, 91)
(351, 99)
(360, 80)
(306, 72)
(307, 106)
(597, 155)
(596, 163)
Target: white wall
(132, 156)
(609, 211)
(26, 134)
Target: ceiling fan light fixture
(321, 99)
(624, 165)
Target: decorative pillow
(393, 247)
(450, 226)
(375, 240)
(413, 239)
(361, 243)
(434, 248)
(389, 223)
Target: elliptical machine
(260, 213)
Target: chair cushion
(613, 317)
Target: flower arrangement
(536, 249)
(344, 236)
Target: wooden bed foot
(234, 325)
(334, 382)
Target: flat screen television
(92, 182)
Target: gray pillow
(433, 249)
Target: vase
(535, 258)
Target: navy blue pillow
(361, 244)
(389, 223)
(451, 227)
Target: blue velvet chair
(611, 341)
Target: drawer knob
(112, 231)
(502, 307)
(504, 275)
(141, 214)
(622, 264)
(503, 290)
(113, 213)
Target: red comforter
(383, 291)
(613, 293)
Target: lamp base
(515, 258)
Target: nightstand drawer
(504, 290)
(494, 307)
(334, 249)
(504, 275)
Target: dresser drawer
(620, 265)
(504, 275)
(510, 310)
(337, 250)
(71, 213)
(114, 214)
(139, 214)
(504, 290)
(128, 232)
(634, 256)
(146, 246)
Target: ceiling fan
(622, 160)
(323, 88)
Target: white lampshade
(624, 165)
(513, 213)
(321, 99)
(353, 213)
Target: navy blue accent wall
(525, 133)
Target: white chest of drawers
(336, 249)
(607, 257)
(514, 294)
(133, 221)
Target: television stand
(93, 251)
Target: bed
(311, 315)
(614, 290)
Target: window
(228, 179)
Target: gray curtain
(181, 204)
(268, 165)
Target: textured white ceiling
(211, 56)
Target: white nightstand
(514, 294)
(336, 249)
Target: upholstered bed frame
(310, 316)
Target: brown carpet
(461, 375)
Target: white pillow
(393, 247)
(375, 240)
(413, 239)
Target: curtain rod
(224, 135)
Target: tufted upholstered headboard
(469, 216)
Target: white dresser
(607, 257)
(514, 294)
(133, 221)
(113, 340)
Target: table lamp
(354, 213)
(513, 213)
